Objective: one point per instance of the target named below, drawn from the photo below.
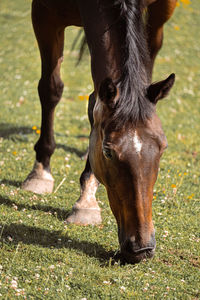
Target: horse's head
(126, 162)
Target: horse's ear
(159, 90)
(108, 92)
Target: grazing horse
(127, 139)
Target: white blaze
(137, 142)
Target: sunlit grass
(42, 257)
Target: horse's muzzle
(132, 253)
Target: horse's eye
(107, 152)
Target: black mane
(132, 106)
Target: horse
(127, 139)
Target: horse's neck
(106, 35)
(107, 55)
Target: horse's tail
(82, 44)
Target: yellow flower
(38, 131)
(34, 127)
(173, 186)
(179, 174)
(177, 4)
(185, 173)
(176, 27)
(81, 97)
(14, 152)
(186, 2)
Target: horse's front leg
(50, 37)
(86, 210)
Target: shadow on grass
(30, 235)
(14, 132)
(82, 137)
(50, 239)
(61, 214)
(70, 149)
(11, 182)
(19, 134)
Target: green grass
(42, 257)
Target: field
(41, 257)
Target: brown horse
(127, 139)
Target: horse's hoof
(85, 216)
(39, 181)
(38, 186)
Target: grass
(42, 257)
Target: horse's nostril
(138, 255)
(146, 249)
